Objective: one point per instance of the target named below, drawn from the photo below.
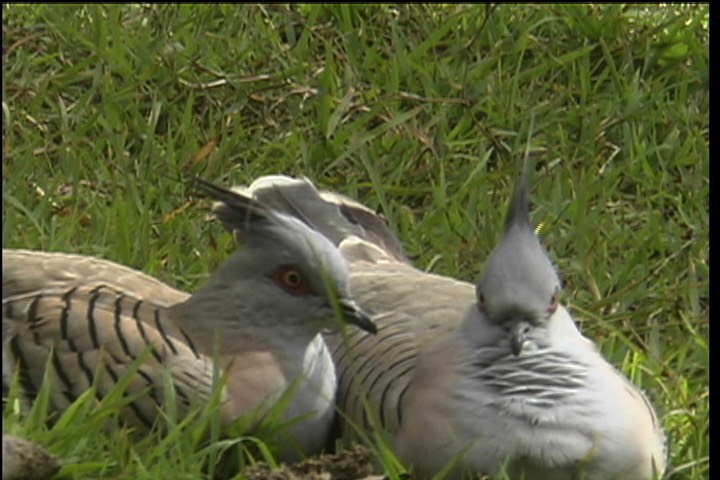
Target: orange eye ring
(292, 280)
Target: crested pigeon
(259, 314)
(489, 378)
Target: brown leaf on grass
(201, 154)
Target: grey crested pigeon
(259, 314)
(493, 378)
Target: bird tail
(335, 216)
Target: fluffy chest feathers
(261, 382)
(556, 409)
(529, 385)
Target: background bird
(259, 315)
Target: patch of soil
(353, 463)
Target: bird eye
(481, 300)
(292, 280)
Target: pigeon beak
(357, 316)
(519, 336)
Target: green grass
(418, 111)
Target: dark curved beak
(519, 336)
(357, 316)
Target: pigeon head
(284, 272)
(519, 288)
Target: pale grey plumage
(261, 312)
(496, 379)
(519, 288)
